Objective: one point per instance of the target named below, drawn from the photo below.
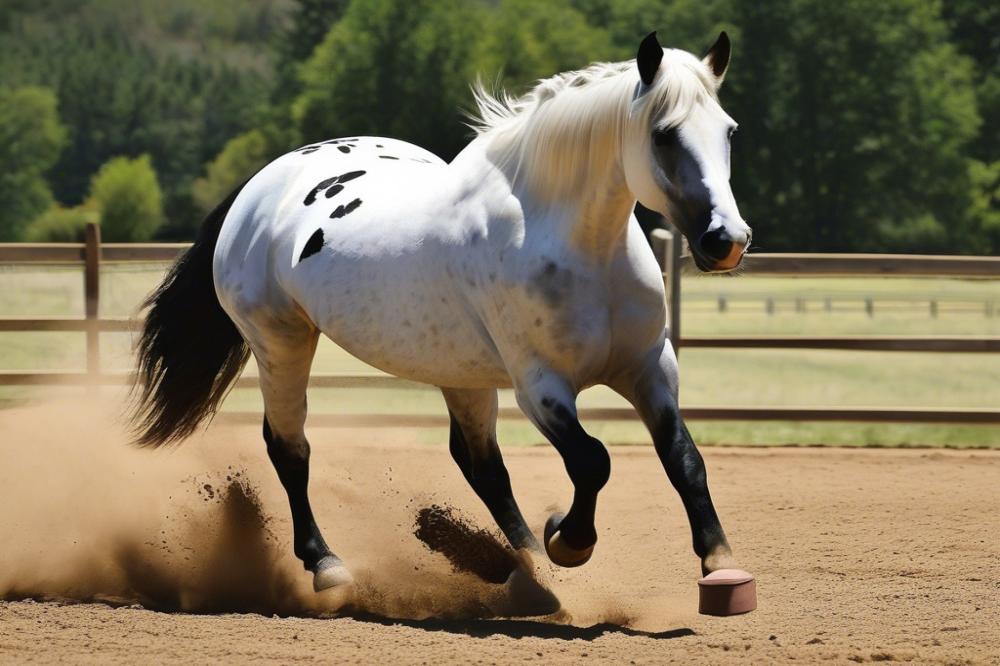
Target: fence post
(667, 247)
(91, 294)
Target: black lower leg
(589, 467)
(686, 471)
(293, 472)
(489, 479)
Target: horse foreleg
(550, 403)
(473, 444)
(653, 391)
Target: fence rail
(91, 253)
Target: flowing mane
(573, 123)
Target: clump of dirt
(470, 549)
(515, 588)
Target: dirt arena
(112, 555)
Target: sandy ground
(112, 555)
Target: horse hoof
(527, 592)
(558, 550)
(727, 592)
(330, 572)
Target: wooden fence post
(667, 247)
(92, 294)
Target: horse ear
(717, 57)
(649, 57)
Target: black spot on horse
(336, 181)
(343, 149)
(387, 157)
(379, 145)
(322, 185)
(313, 245)
(341, 211)
(349, 176)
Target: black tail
(190, 351)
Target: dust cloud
(86, 517)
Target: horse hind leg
(473, 444)
(284, 361)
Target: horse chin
(727, 265)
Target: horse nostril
(716, 244)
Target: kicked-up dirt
(113, 555)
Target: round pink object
(727, 592)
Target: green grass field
(826, 306)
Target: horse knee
(589, 465)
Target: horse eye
(665, 137)
(732, 131)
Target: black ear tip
(649, 57)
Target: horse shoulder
(638, 312)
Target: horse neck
(572, 180)
(595, 219)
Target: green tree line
(864, 126)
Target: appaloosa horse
(519, 264)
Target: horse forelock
(573, 124)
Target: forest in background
(864, 126)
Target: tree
(31, 138)
(309, 25)
(127, 195)
(175, 80)
(241, 157)
(60, 225)
(396, 68)
(975, 31)
(403, 68)
(692, 25)
(855, 122)
(526, 41)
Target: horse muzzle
(718, 252)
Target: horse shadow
(486, 628)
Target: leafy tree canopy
(127, 195)
(31, 138)
(864, 126)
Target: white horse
(519, 264)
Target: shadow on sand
(519, 628)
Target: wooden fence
(93, 252)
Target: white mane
(572, 124)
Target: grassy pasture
(801, 306)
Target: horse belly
(406, 327)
